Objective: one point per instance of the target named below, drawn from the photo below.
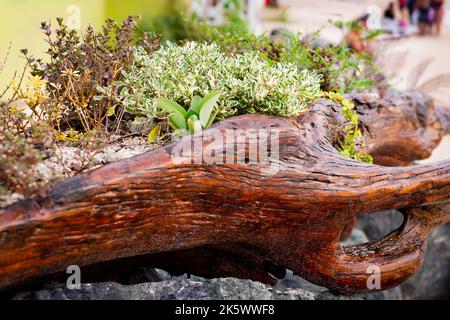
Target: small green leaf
(190, 113)
(345, 153)
(211, 119)
(181, 132)
(154, 133)
(196, 104)
(111, 111)
(207, 106)
(194, 125)
(349, 139)
(170, 106)
(177, 113)
(348, 128)
(367, 158)
(176, 121)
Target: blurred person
(437, 9)
(403, 8)
(423, 7)
(355, 37)
(389, 13)
(272, 3)
(404, 15)
(389, 22)
(411, 9)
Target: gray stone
(356, 237)
(293, 282)
(188, 289)
(378, 224)
(433, 280)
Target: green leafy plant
(247, 83)
(232, 41)
(234, 14)
(343, 69)
(169, 26)
(352, 132)
(199, 116)
(176, 26)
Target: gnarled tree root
(285, 211)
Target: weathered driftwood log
(248, 220)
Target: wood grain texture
(258, 221)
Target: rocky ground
(187, 289)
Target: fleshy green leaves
(196, 104)
(206, 108)
(194, 125)
(199, 116)
(177, 117)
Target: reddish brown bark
(255, 219)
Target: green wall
(20, 22)
(120, 9)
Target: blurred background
(20, 21)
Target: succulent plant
(199, 116)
